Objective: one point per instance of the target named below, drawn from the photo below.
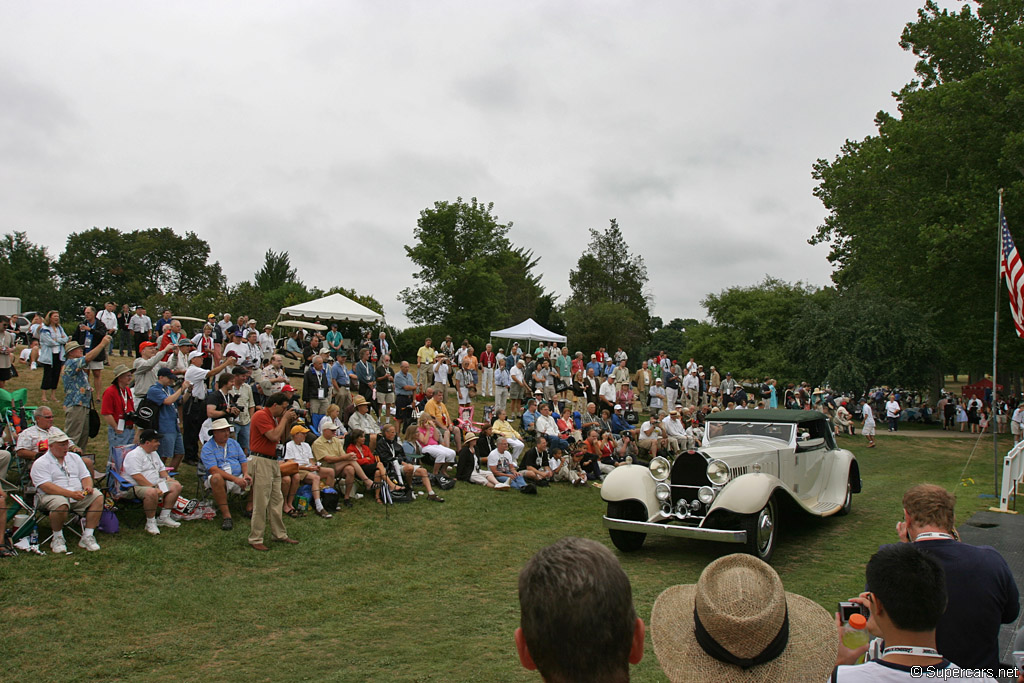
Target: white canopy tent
(528, 330)
(336, 308)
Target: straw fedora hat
(359, 401)
(71, 346)
(120, 370)
(737, 623)
(470, 438)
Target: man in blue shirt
(341, 380)
(367, 376)
(502, 384)
(172, 446)
(594, 365)
(77, 392)
(530, 417)
(405, 389)
(226, 468)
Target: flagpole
(995, 345)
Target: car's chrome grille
(738, 471)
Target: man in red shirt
(267, 429)
(488, 362)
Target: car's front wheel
(762, 531)
(634, 511)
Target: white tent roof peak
(333, 308)
(531, 330)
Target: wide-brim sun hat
(738, 623)
(360, 401)
(71, 346)
(120, 370)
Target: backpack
(445, 483)
(146, 415)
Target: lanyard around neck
(910, 651)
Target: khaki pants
(500, 398)
(424, 375)
(342, 398)
(691, 397)
(76, 425)
(267, 499)
(318, 406)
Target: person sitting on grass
(364, 422)
(370, 464)
(536, 464)
(571, 469)
(329, 450)
(65, 484)
(503, 467)
(226, 469)
(152, 481)
(298, 451)
(428, 438)
(577, 620)
(443, 422)
(548, 427)
(500, 426)
(652, 438)
(469, 466)
(390, 453)
(590, 459)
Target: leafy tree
(98, 265)
(26, 271)
(608, 305)
(912, 209)
(749, 327)
(855, 340)
(470, 278)
(276, 271)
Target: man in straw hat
(224, 469)
(361, 419)
(577, 621)
(77, 390)
(117, 402)
(737, 623)
(906, 596)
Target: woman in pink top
(427, 435)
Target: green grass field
(427, 593)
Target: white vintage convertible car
(730, 489)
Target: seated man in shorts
(390, 453)
(64, 483)
(152, 481)
(299, 452)
(226, 468)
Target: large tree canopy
(470, 278)
(913, 209)
(26, 271)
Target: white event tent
(529, 330)
(336, 308)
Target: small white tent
(529, 330)
(336, 308)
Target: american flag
(1014, 272)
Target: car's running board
(721, 535)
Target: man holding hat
(738, 623)
(77, 390)
(153, 481)
(118, 400)
(226, 469)
(577, 621)
(64, 483)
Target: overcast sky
(323, 128)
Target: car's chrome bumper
(720, 535)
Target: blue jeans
(515, 482)
(242, 436)
(125, 438)
(556, 442)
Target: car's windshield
(718, 430)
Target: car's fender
(843, 467)
(630, 482)
(747, 494)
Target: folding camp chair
(73, 523)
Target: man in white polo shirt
(64, 484)
(143, 467)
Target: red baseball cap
(145, 345)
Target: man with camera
(195, 410)
(90, 334)
(269, 426)
(905, 598)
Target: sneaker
(89, 543)
(152, 528)
(33, 367)
(227, 524)
(58, 547)
(357, 496)
(347, 502)
(167, 521)
(502, 485)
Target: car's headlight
(660, 468)
(718, 472)
(706, 494)
(662, 492)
